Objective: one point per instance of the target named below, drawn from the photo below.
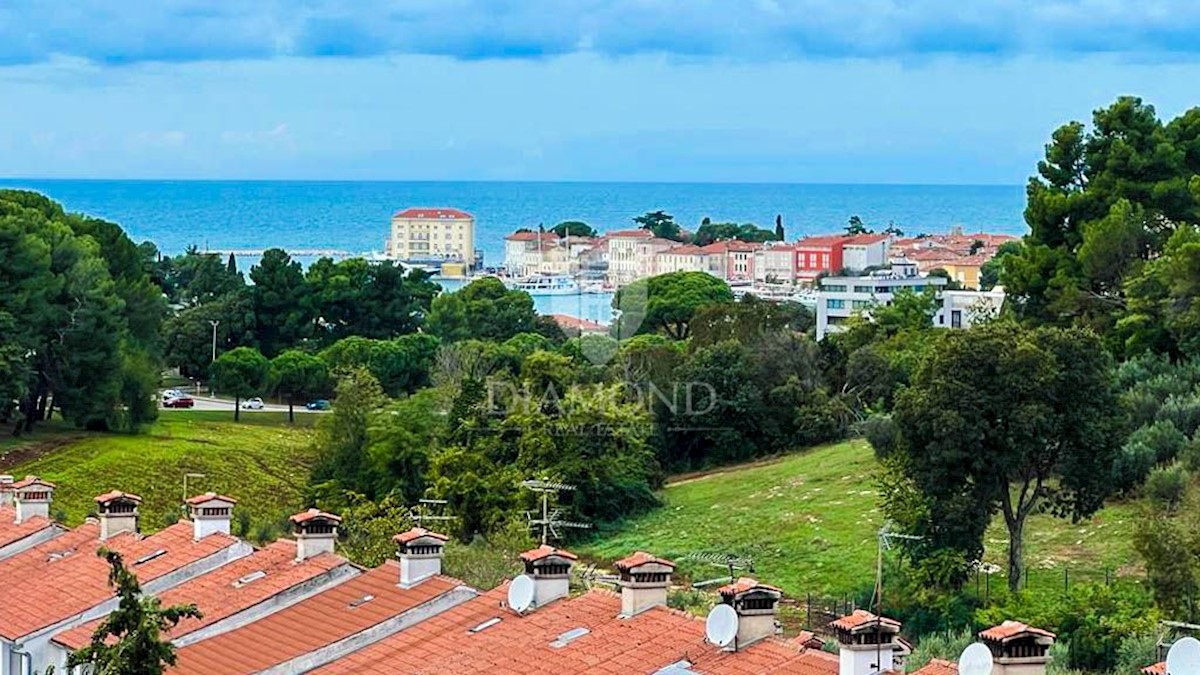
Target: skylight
(569, 637)
(253, 576)
(485, 625)
(150, 556)
(682, 667)
(362, 601)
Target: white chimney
(118, 513)
(420, 553)
(210, 513)
(6, 490)
(867, 644)
(550, 569)
(32, 498)
(644, 582)
(316, 533)
(755, 605)
(1018, 649)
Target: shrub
(1190, 455)
(1167, 486)
(1163, 437)
(1133, 464)
(880, 431)
(946, 645)
(1183, 412)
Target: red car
(179, 402)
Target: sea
(353, 216)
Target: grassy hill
(261, 461)
(809, 521)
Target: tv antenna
(551, 519)
(726, 560)
(886, 537)
(590, 575)
(429, 510)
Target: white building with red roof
(25, 515)
(433, 235)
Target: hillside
(809, 522)
(261, 461)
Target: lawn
(261, 461)
(809, 522)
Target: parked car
(319, 404)
(255, 403)
(172, 393)
(179, 402)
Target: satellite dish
(721, 626)
(1184, 657)
(976, 659)
(520, 593)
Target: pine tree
(779, 228)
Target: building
(682, 258)
(775, 263)
(731, 260)
(865, 251)
(623, 263)
(818, 255)
(527, 253)
(64, 584)
(573, 326)
(433, 236)
(1017, 649)
(25, 514)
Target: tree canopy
(573, 228)
(671, 300)
(242, 372)
(662, 224)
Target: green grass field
(809, 521)
(261, 461)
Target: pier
(336, 254)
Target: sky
(844, 91)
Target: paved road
(207, 403)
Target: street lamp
(214, 324)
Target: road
(208, 403)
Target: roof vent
(569, 637)
(59, 555)
(362, 601)
(150, 556)
(485, 625)
(253, 576)
(681, 667)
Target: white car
(169, 394)
(255, 403)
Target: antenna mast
(886, 535)
(428, 510)
(727, 560)
(550, 520)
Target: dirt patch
(681, 478)
(36, 449)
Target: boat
(545, 284)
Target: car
(179, 402)
(255, 403)
(319, 404)
(171, 393)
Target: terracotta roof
(465, 639)
(438, 213)
(545, 551)
(305, 516)
(1011, 629)
(866, 239)
(229, 589)
(116, 494)
(568, 322)
(745, 585)
(11, 531)
(861, 617)
(531, 236)
(64, 576)
(938, 667)
(643, 234)
(641, 558)
(1159, 668)
(417, 533)
(327, 617)
(32, 480)
(730, 245)
(686, 249)
(822, 241)
(208, 497)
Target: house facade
(433, 235)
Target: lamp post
(214, 324)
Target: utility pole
(214, 324)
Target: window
(835, 304)
(863, 289)
(824, 260)
(835, 288)
(956, 319)
(861, 304)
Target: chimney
(420, 553)
(1018, 649)
(550, 569)
(210, 513)
(32, 498)
(755, 605)
(316, 533)
(867, 644)
(118, 513)
(6, 490)
(644, 582)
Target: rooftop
(417, 533)
(323, 619)
(229, 589)
(29, 481)
(64, 576)
(640, 558)
(532, 236)
(208, 497)
(938, 667)
(1013, 629)
(437, 213)
(581, 634)
(860, 618)
(11, 531)
(1159, 668)
(545, 551)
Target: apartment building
(433, 235)
(775, 263)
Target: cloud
(106, 32)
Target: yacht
(545, 284)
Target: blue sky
(899, 91)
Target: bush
(1190, 455)
(1133, 464)
(880, 431)
(1183, 412)
(1163, 437)
(1167, 486)
(946, 645)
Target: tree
(343, 464)
(673, 299)
(401, 365)
(188, 335)
(779, 228)
(662, 224)
(1035, 426)
(231, 263)
(856, 226)
(281, 305)
(297, 374)
(710, 232)
(130, 640)
(241, 373)
(989, 273)
(573, 228)
(484, 309)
